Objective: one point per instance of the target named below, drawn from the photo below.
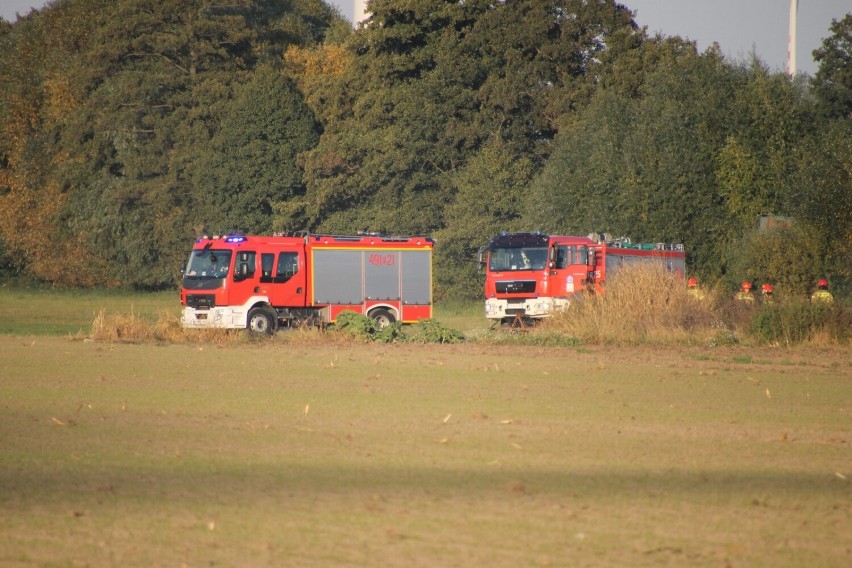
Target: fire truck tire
(261, 321)
(383, 318)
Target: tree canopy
(128, 127)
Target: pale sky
(739, 26)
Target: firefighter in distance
(745, 295)
(766, 292)
(694, 290)
(821, 295)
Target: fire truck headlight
(492, 309)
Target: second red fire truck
(261, 283)
(531, 275)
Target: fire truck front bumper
(214, 318)
(499, 309)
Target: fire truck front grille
(201, 301)
(515, 286)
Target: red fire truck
(531, 275)
(262, 283)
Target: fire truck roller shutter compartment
(338, 277)
(381, 275)
(417, 278)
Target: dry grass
(166, 327)
(642, 304)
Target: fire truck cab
(263, 283)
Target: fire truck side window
(245, 265)
(288, 266)
(562, 256)
(571, 255)
(267, 259)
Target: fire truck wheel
(383, 318)
(261, 322)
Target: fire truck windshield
(517, 258)
(208, 264)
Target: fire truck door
(244, 277)
(287, 287)
(568, 270)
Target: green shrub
(364, 328)
(392, 333)
(798, 321)
(431, 331)
(355, 325)
(787, 257)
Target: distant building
(769, 222)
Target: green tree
(430, 86)
(251, 164)
(638, 161)
(148, 86)
(832, 83)
(756, 164)
(40, 87)
(821, 200)
(401, 123)
(488, 198)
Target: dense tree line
(128, 127)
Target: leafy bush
(426, 331)
(392, 333)
(355, 325)
(787, 257)
(431, 331)
(798, 321)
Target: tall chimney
(791, 39)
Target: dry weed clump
(641, 304)
(121, 327)
(133, 327)
(167, 328)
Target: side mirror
(481, 257)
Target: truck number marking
(382, 259)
